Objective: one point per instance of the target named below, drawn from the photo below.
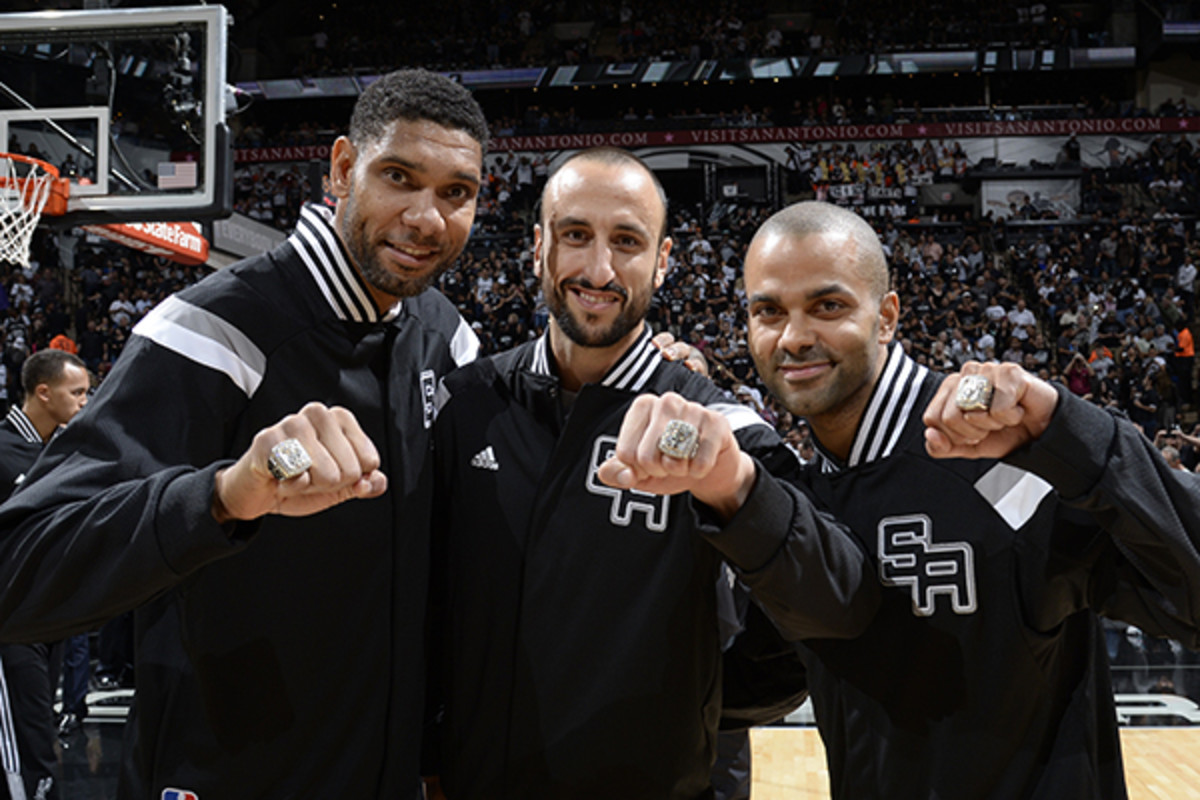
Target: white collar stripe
(870, 419)
(629, 362)
(321, 250)
(633, 368)
(23, 425)
(319, 267)
(541, 365)
(914, 390)
(327, 265)
(655, 358)
(892, 405)
(350, 281)
(893, 399)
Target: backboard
(130, 103)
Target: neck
(41, 421)
(579, 364)
(836, 428)
(383, 301)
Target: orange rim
(60, 188)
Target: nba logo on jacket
(178, 794)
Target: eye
(764, 312)
(574, 235)
(460, 193)
(396, 175)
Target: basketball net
(21, 202)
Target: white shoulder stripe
(1014, 493)
(738, 415)
(207, 339)
(464, 347)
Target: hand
(345, 466)
(1021, 408)
(720, 475)
(673, 350)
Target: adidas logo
(485, 459)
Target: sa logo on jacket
(625, 502)
(908, 556)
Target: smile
(593, 301)
(804, 371)
(411, 255)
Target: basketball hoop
(29, 187)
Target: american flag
(177, 175)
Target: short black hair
(614, 156)
(46, 366)
(813, 216)
(416, 95)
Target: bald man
(999, 532)
(582, 653)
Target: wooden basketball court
(1160, 764)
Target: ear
(889, 315)
(663, 266)
(341, 167)
(42, 392)
(539, 243)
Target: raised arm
(806, 569)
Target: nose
(599, 267)
(423, 214)
(797, 333)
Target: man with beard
(579, 622)
(1005, 515)
(280, 651)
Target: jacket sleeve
(118, 507)
(1147, 570)
(807, 570)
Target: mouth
(411, 256)
(799, 372)
(595, 301)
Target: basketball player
(983, 673)
(280, 626)
(56, 389)
(583, 657)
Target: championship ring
(288, 459)
(679, 440)
(974, 393)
